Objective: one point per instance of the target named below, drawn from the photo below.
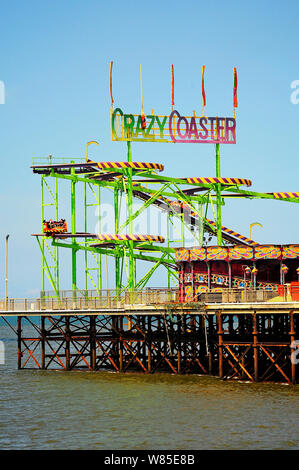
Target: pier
(251, 339)
(228, 310)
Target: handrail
(110, 299)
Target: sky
(54, 64)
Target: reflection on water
(100, 410)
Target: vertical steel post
(130, 212)
(56, 273)
(292, 334)
(210, 319)
(184, 355)
(67, 343)
(149, 343)
(220, 344)
(19, 334)
(43, 342)
(179, 346)
(168, 245)
(6, 273)
(116, 230)
(74, 248)
(99, 257)
(43, 241)
(218, 197)
(85, 230)
(255, 346)
(120, 343)
(92, 336)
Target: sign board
(174, 128)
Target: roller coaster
(183, 199)
(184, 202)
(226, 306)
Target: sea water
(111, 411)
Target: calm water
(94, 410)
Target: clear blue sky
(55, 65)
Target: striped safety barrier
(285, 195)
(233, 233)
(124, 165)
(224, 181)
(136, 238)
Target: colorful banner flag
(235, 88)
(111, 64)
(203, 86)
(172, 86)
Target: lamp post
(88, 144)
(246, 270)
(6, 257)
(251, 225)
(254, 274)
(284, 270)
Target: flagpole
(172, 86)
(203, 90)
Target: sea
(81, 410)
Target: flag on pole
(172, 86)
(143, 120)
(111, 64)
(235, 88)
(203, 87)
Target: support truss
(252, 347)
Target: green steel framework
(163, 192)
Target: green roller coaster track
(185, 203)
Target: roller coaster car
(52, 227)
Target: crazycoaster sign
(173, 128)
